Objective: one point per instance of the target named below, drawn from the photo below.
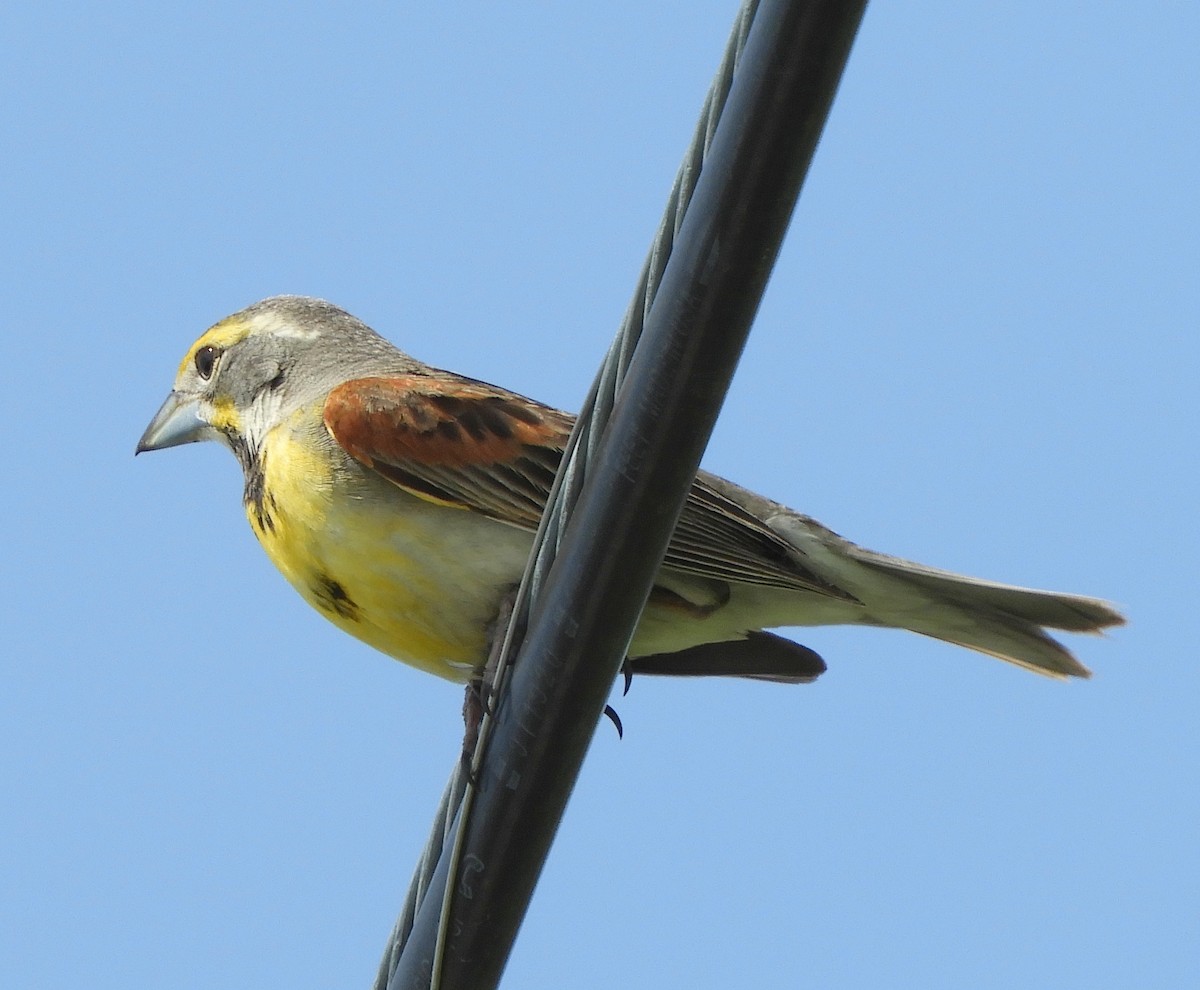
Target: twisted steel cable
(593, 418)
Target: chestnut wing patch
(454, 441)
(467, 444)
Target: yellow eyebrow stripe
(221, 335)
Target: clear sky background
(979, 349)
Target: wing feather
(453, 440)
(464, 443)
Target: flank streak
(332, 597)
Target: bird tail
(997, 619)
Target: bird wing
(467, 444)
(454, 441)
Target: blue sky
(978, 349)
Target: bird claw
(616, 720)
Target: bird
(401, 501)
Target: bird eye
(206, 361)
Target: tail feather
(1002, 620)
(1005, 637)
(1053, 609)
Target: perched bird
(401, 501)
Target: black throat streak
(259, 502)
(332, 597)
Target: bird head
(252, 369)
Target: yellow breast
(420, 582)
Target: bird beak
(178, 421)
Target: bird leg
(481, 689)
